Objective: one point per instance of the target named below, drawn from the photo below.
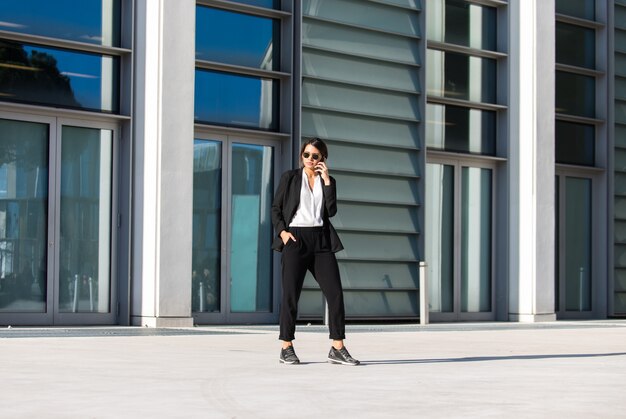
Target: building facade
(141, 142)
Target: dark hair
(317, 143)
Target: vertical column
(531, 158)
(163, 159)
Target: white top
(309, 213)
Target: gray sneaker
(288, 356)
(341, 356)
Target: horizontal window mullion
(54, 111)
(582, 170)
(442, 46)
(369, 86)
(368, 114)
(579, 119)
(223, 129)
(245, 8)
(578, 21)
(399, 6)
(238, 69)
(65, 44)
(361, 27)
(465, 103)
(370, 259)
(578, 70)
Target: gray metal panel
(619, 162)
(361, 93)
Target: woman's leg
(326, 272)
(294, 267)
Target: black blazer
(287, 200)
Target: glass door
(459, 236)
(233, 276)
(56, 201)
(574, 268)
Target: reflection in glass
(94, 21)
(575, 94)
(237, 38)
(461, 22)
(584, 9)
(460, 76)
(575, 45)
(575, 143)
(476, 240)
(464, 130)
(53, 76)
(207, 226)
(577, 243)
(235, 100)
(85, 227)
(23, 216)
(250, 255)
(439, 236)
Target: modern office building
(141, 142)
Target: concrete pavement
(487, 370)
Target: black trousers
(311, 251)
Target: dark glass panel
(575, 143)
(462, 23)
(458, 129)
(460, 76)
(236, 100)
(270, 4)
(575, 94)
(575, 45)
(23, 216)
(206, 258)
(93, 21)
(237, 38)
(584, 9)
(53, 76)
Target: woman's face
(313, 157)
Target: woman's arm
(278, 215)
(330, 197)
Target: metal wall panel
(619, 163)
(361, 93)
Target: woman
(305, 200)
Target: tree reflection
(32, 77)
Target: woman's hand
(285, 236)
(322, 169)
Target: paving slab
(482, 370)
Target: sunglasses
(314, 156)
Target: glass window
(236, 100)
(53, 76)
(462, 23)
(575, 45)
(575, 143)
(237, 38)
(575, 94)
(584, 9)
(250, 254)
(23, 216)
(85, 243)
(464, 130)
(439, 236)
(476, 240)
(460, 76)
(207, 226)
(577, 242)
(270, 4)
(94, 21)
